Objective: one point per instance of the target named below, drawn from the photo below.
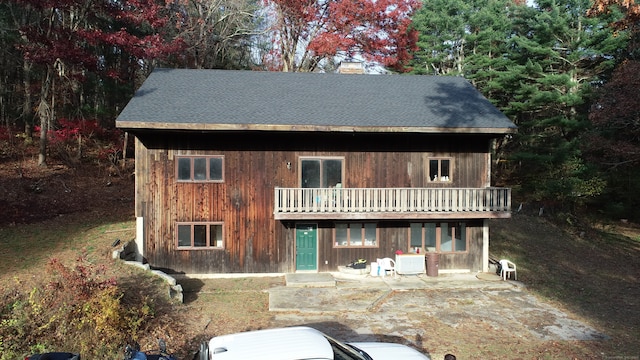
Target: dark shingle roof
(238, 100)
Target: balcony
(391, 203)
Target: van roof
(292, 343)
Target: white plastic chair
(506, 268)
(386, 264)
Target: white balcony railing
(391, 200)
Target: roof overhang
(133, 126)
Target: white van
(298, 343)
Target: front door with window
(306, 247)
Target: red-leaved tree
(615, 115)
(307, 32)
(63, 40)
(630, 22)
(616, 120)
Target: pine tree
(557, 53)
(441, 25)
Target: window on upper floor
(200, 235)
(441, 237)
(200, 168)
(321, 172)
(356, 234)
(440, 169)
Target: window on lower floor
(200, 235)
(423, 236)
(441, 237)
(356, 234)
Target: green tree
(557, 53)
(489, 29)
(612, 144)
(442, 36)
(538, 64)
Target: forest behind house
(566, 72)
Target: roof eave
(134, 126)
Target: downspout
(138, 208)
(485, 245)
(485, 222)
(139, 238)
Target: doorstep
(310, 280)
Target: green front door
(306, 247)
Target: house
(267, 172)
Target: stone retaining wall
(126, 254)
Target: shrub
(78, 310)
(73, 139)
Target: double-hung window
(200, 235)
(200, 168)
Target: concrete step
(310, 280)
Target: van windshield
(346, 352)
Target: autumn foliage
(309, 32)
(630, 7)
(80, 310)
(73, 30)
(616, 120)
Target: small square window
(215, 168)
(199, 235)
(184, 169)
(184, 235)
(215, 235)
(440, 170)
(199, 169)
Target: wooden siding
(394, 235)
(255, 164)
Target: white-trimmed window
(440, 169)
(200, 168)
(200, 235)
(356, 234)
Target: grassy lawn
(591, 271)
(27, 248)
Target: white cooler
(374, 269)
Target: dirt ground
(564, 270)
(31, 193)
